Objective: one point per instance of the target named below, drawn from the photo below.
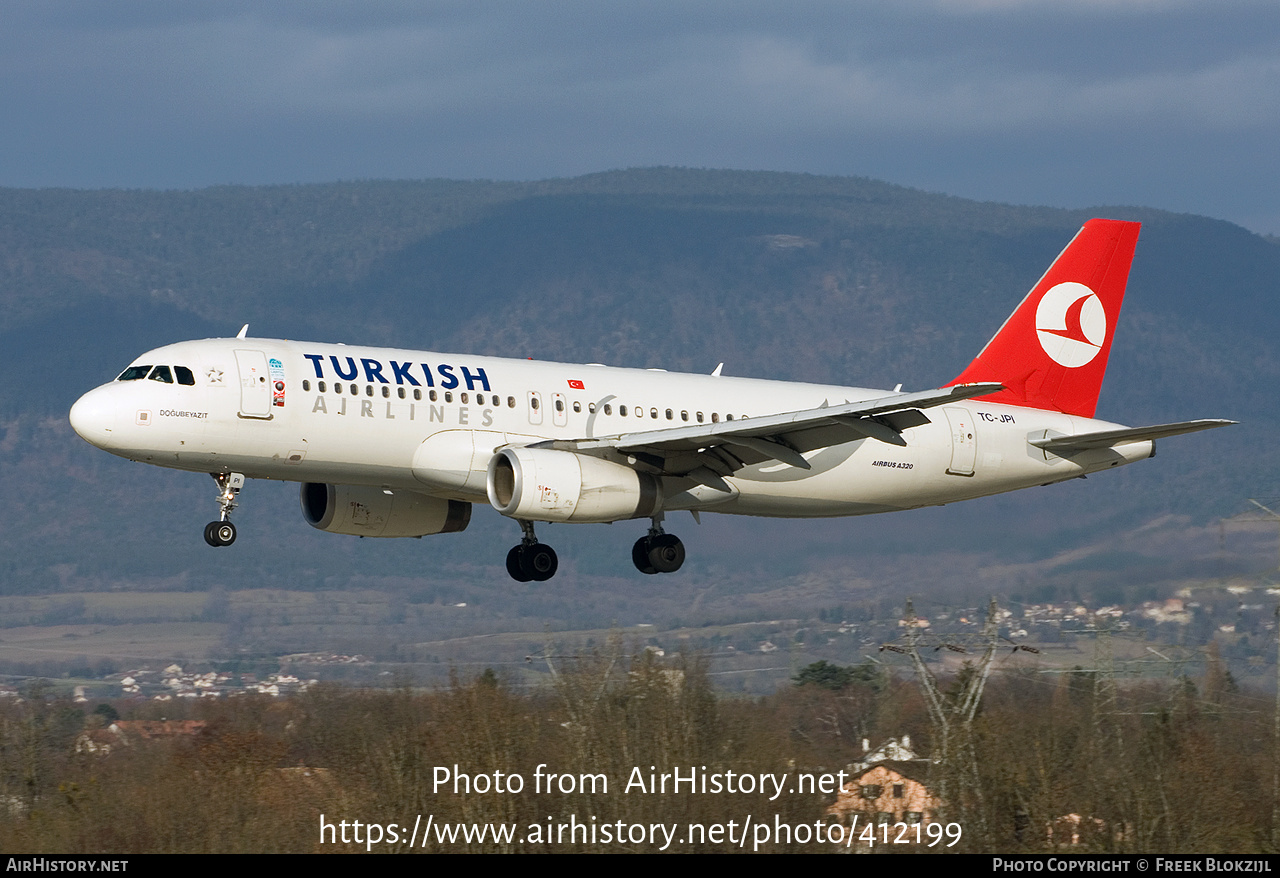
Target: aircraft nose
(93, 417)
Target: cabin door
(255, 384)
(964, 442)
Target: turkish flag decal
(576, 385)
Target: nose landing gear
(222, 532)
(531, 561)
(658, 552)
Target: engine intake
(539, 484)
(365, 511)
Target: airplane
(401, 443)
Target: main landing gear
(222, 532)
(531, 560)
(658, 552)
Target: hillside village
(1236, 623)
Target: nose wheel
(222, 532)
(219, 533)
(658, 552)
(531, 561)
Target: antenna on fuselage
(244, 331)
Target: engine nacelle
(364, 511)
(539, 484)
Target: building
(887, 792)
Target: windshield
(133, 373)
(159, 373)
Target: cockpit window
(161, 373)
(184, 375)
(133, 373)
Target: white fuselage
(430, 423)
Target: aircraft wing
(730, 445)
(1109, 438)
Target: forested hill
(780, 275)
(791, 276)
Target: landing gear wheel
(666, 553)
(531, 561)
(538, 562)
(515, 564)
(222, 532)
(219, 533)
(640, 555)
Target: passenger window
(577, 407)
(448, 396)
(669, 415)
(639, 412)
(728, 417)
(417, 395)
(463, 397)
(400, 392)
(368, 390)
(684, 416)
(306, 385)
(432, 395)
(133, 373)
(337, 388)
(184, 376)
(322, 386)
(533, 403)
(511, 402)
(386, 392)
(699, 417)
(715, 417)
(355, 391)
(653, 413)
(622, 410)
(608, 409)
(559, 405)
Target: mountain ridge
(800, 277)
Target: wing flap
(783, 437)
(849, 415)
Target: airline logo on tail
(1071, 314)
(1071, 324)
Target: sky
(1172, 104)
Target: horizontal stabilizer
(1110, 438)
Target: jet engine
(539, 484)
(365, 511)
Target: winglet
(244, 331)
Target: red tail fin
(1052, 351)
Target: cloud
(157, 93)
